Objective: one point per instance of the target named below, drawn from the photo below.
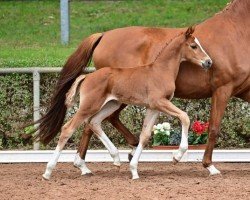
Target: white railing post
(64, 8)
(36, 102)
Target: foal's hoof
(135, 178)
(46, 177)
(130, 156)
(175, 161)
(118, 164)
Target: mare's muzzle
(207, 63)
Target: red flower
(199, 128)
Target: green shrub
(16, 101)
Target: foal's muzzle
(207, 63)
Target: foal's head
(193, 52)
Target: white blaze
(199, 44)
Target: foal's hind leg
(95, 124)
(115, 121)
(131, 139)
(67, 131)
(167, 107)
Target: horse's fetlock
(183, 148)
(213, 133)
(114, 153)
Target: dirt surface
(157, 181)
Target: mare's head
(192, 50)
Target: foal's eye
(193, 46)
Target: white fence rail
(36, 71)
(104, 156)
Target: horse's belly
(192, 82)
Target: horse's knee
(213, 132)
(94, 125)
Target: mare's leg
(220, 99)
(167, 107)
(95, 124)
(131, 139)
(148, 124)
(79, 161)
(67, 131)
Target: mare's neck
(238, 11)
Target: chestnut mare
(103, 92)
(226, 38)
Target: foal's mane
(164, 47)
(187, 33)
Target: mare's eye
(193, 46)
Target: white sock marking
(80, 163)
(184, 142)
(134, 161)
(52, 163)
(213, 170)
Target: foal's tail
(50, 124)
(70, 96)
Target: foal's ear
(189, 31)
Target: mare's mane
(232, 5)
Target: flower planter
(190, 147)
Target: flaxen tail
(70, 96)
(50, 124)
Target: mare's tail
(51, 123)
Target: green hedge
(16, 111)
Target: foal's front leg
(148, 124)
(167, 107)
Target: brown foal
(103, 92)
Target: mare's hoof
(213, 171)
